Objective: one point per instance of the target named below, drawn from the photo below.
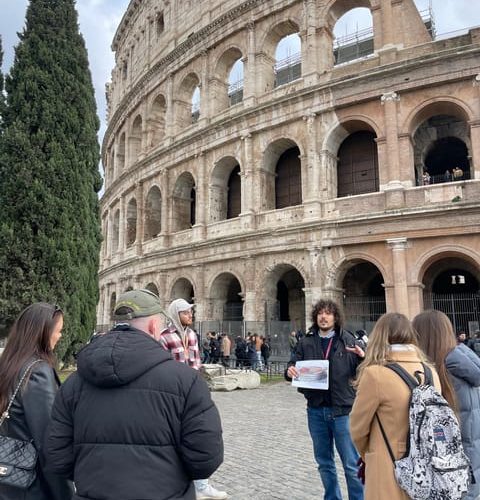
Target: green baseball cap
(137, 304)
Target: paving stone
(268, 450)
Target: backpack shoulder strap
(428, 374)
(403, 374)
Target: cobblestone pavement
(268, 451)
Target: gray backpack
(435, 466)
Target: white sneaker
(210, 493)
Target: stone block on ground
(229, 380)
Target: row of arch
(441, 142)
(362, 284)
(280, 52)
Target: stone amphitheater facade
(297, 190)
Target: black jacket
(132, 423)
(342, 369)
(29, 417)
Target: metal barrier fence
(463, 309)
(362, 312)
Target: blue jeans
(325, 429)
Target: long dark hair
(29, 338)
(437, 339)
(329, 306)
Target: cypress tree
(49, 178)
(2, 97)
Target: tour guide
(328, 410)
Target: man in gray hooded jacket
(181, 341)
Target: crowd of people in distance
(252, 352)
(136, 419)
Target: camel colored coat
(381, 391)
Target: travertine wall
(166, 48)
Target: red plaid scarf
(171, 341)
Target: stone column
(249, 82)
(169, 116)
(201, 205)
(122, 227)
(325, 50)
(199, 294)
(415, 297)
(475, 134)
(311, 171)
(389, 102)
(247, 214)
(399, 266)
(205, 114)
(166, 208)
(264, 65)
(140, 218)
(328, 183)
(249, 294)
(309, 43)
(107, 238)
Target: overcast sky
(99, 20)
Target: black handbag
(18, 458)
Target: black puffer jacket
(342, 370)
(133, 423)
(29, 417)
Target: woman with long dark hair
(32, 338)
(459, 370)
(383, 397)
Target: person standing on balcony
(328, 410)
(181, 341)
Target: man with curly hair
(328, 410)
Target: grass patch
(264, 379)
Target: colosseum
(253, 181)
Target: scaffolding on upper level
(360, 43)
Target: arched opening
(182, 289)
(153, 213)
(187, 102)
(440, 150)
(235, 83)
(131, 222)
(225, 190)
(121, 153)
(152, 288)
(288, 59)
(452, 285)
(227, 84)
(196, 104)
(135, 140)
(441, 143)
(353, 35)
(184, 202)
(116, 230)
(234, 190)
(447, 160)
(282, 186)
(285, 297)
(156, 121)
(288, 179)
(284, 307)
(357, 169)
(226, 298)
(363, 295)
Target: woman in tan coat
(380, 391)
